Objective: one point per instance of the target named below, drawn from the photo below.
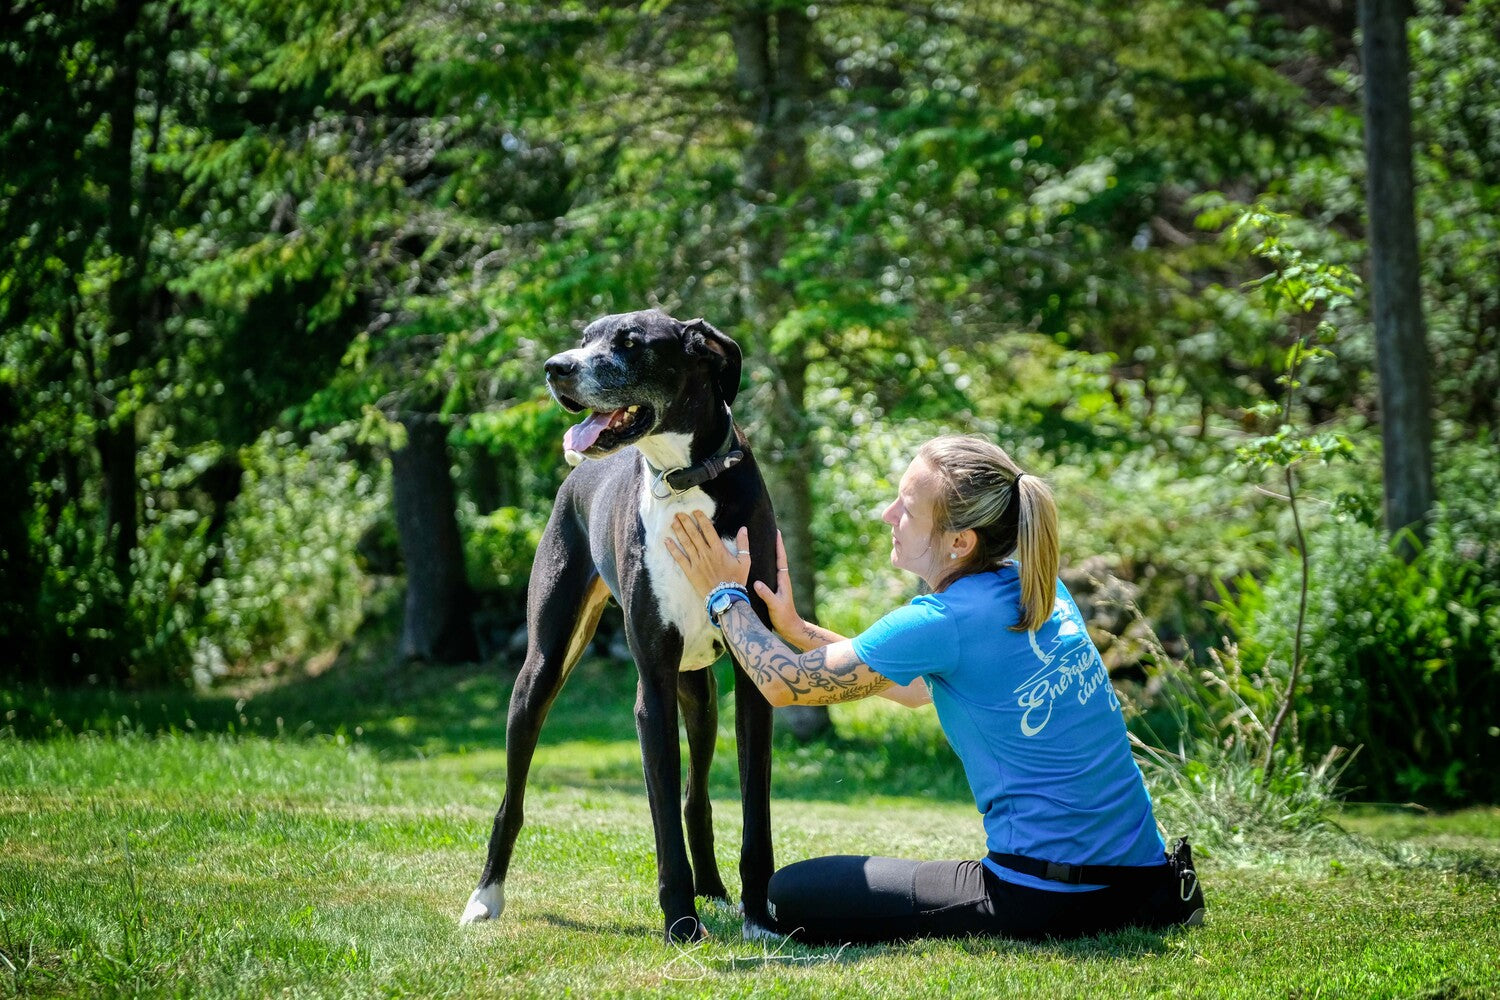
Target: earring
(953, 555)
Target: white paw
(755, 932)
(487, 903)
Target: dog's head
(636, 373)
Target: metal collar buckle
(660, 482)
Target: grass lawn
(319, 837)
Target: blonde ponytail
(1011, 513)
(1037, 551)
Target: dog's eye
(630, 339)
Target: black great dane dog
(659, 440)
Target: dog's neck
(671, 450)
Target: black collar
(682, 479)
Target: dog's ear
(703, 340)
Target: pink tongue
(581, 437)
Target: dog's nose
(560, 366)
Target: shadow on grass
(1125, 944)
(402, 711)
(367, 694)
(620, 927)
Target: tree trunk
(223, 482)
(1395, 275)
(116, 438)
(20, 573)
(774, 89)
(438, 623)
(117, 447)
(789, 477)
(492, 478)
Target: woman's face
(915, 546)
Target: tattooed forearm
(823, 676)
(809, 636)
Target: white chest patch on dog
(675, 597)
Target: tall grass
(1220, 765)
(1228, 778)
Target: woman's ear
(963, 544)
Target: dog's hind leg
(572, 601)
(697, 696)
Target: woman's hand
(704, 557)
(707, 561)
(779, 603)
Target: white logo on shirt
(1062, 669)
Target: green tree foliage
(1303, 287)
(242, 244)
(961, 173)
(214, 213)
(1455, 91)
(85, 301)
(1393, 640)
(1455, 87)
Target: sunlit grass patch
(238, 866)
(324, 859)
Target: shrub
(1403, 659)
(291, 583)
(499, 547)
(1204, 744)
(79, 621)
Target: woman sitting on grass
(1023, 697)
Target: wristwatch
(720, 602)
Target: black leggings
(862, 899)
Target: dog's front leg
(697, 697)
(752, 730)
(656, 723)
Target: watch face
(721, 604)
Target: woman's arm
(823, 676)
(827, 670)
(807, 636)
(803, 679)
(781, 606)
(913, 695)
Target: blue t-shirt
(1033, 718)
